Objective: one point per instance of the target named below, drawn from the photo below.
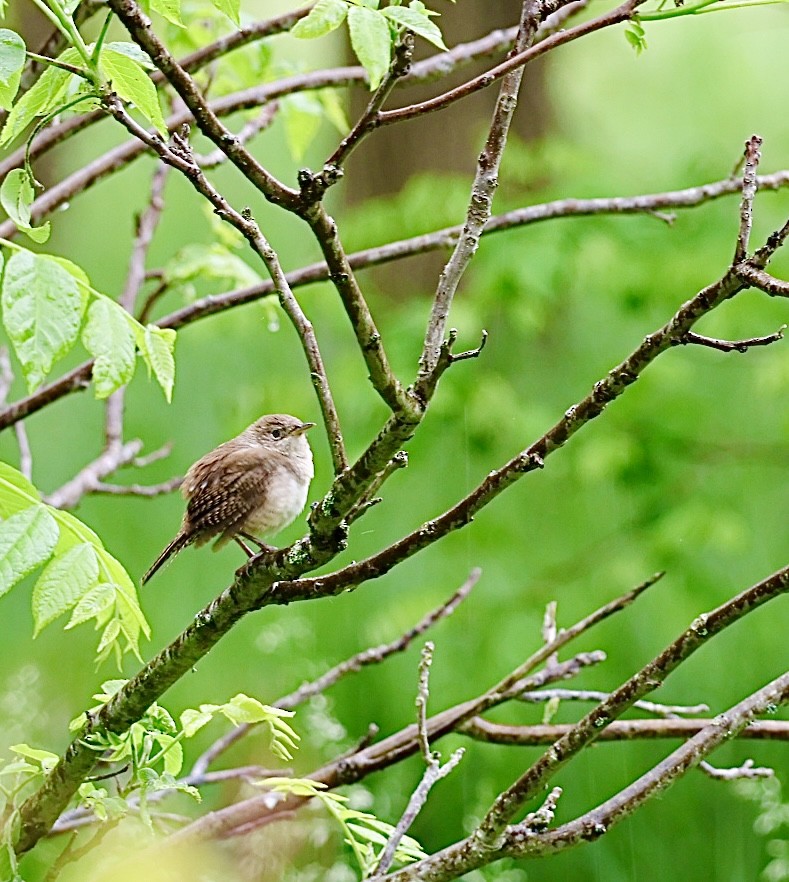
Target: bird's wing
(223, 492)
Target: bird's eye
(276, 433)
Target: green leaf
(208, 263)
(417, 22)
(170, 10)
(27, 539)
(65, 580)
(193, 720)
(12, 60)
(92, 604)
(244, 709)
(157, 350)
(636, 36)
(371, 42)
(333, 109)
(110, 340)
(301, 114)
(231, 8)
(324, 17)
(16, 492)
(16, 196)
(44, 758)
(134, 85)
(45, 94)
(131, 50)
(42, 312)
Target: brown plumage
(250, 486)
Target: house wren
(252, 485)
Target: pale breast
(285, 498)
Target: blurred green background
(687, 472)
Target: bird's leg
(263, 546)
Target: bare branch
(79, 377)
(639, 685)
(661, 710)
(513, 62)
(433, 773)
(752, 158)
(481, 729)
(732, 345)
(481, 200)
(746, 770)
(148, 490)
(372, 656)
(140, 28)
(88, 479)
(758, 278)
(6, 381)
(247, 132)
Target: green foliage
(81, 575)
(16, 197)
(44, 300)
(372, 31)
(44, 96)
(636, 36)
(363, 832)
(243, 709)
(130, 80)
(207, 263)
(12, 60)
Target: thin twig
(422, 694)
(90, 477)
(180, 157)
(148, 490)
(661, 710)
(246, 133)
(758, 278)
(539, 734)
(752, 158)
(372, 656)
(746, 770)
(79, 378)
(482, 192)
(6, 381)
(513, 62)
(731, 345)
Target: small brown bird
(250, 486)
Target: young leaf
(109, 339)
(65, 580)
(42, 312)
(16, 196)
(131, 82)
(45, 94)
(231, 8)
(208, 263)
(131, 50)
(16, 492)
(44, 758)
(170, 10)
(301, 114)
(92, 604)
(157, 350)
(417, 22)
(27, 539)
(371, 42)
(324, 17)
(12, 60)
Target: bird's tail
(180, 542)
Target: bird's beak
(300, 430)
